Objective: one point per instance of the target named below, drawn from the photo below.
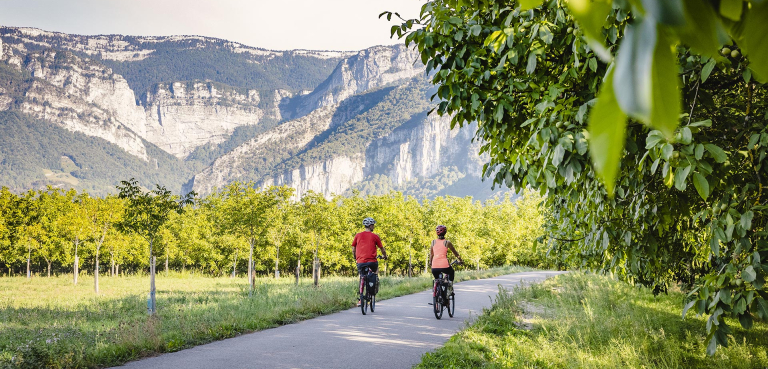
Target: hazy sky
(271, 24)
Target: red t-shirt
(366, 244)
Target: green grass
(587, 321)
(49, 322)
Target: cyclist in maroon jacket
(364, 248)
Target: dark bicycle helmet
(441, 230)
(367, 222)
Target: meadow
(49, 322)
(579, 320)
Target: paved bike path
(396, 336)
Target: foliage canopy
(680, 204)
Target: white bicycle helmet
(367, 222)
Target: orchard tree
(643, 122)
(75, 226)
(102, 215)
(144, 214)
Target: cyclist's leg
(451, 273)
(435, 272)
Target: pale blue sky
(271, 24)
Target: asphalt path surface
(395, 336)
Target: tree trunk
(277, 262)
(117, 270)
(251, 279)
(410, 263)
(77, 260)
(234, 265)
(166, 263)
(49, 267)
(152, 307)
(96, 272)
(29, 261)
(316, 271)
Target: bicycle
(369, 287)
(442, 295)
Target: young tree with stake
(145, 213)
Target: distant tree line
(52, 232)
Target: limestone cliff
(77, 94)
(367, 70)
(419, 150)
(182, 116)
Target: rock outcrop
(369, 69)
(182, 116)
(80, 95)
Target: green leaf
(531, 63)
(701, 184)
(558, 155)
(755, 30)
(687, 307)
(745, 320)
(593, 64)
(607, 129)
(702, 31)
(707, 70)
(703, 123)
(686, 135)
(529, 4)
(669, 12)
(698, 152)
(761, 308)
(591, 15)
(475, 30)
(666, 151)
(646, 83)
(731, 9)
(717, 153)
(680, 176)
(749, 275)
(712, 346)
(634, 62)
(667, 102)
(746, 220)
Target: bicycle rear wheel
(437, 301)
(373, 302)
(451, 305)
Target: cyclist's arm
(449, 245)
(383, 250)
(354, 248)
(431, 254)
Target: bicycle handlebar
(380, 257)
(456, 262)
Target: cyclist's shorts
(449, 270)
(374, 265)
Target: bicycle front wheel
(438, 306)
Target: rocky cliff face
(420, 150)
(182, 116)
(85, 96)
(369, 69)
(79, 95)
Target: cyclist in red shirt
(364, 248)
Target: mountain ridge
(365, 117)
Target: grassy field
(586, 321)
(48, 322)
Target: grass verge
(579, 320)
(48, 322)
